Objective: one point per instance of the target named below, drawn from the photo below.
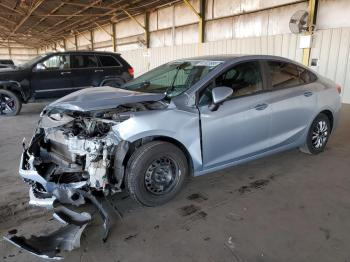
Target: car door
(51, 78)
(292, 103)
(84, 70)
(110, 67)
(238, 129)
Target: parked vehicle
(6, 63)
(187, 117)
(55, 75)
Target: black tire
(318, 135)
(142, 178)
(114, 82)
(10, 103)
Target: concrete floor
(287, 207)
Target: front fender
(18, 87)
(180, 125)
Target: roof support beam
(114, 38)
(76, 42)
(134, 19)
(104, 30)
(147, 35)
(92, 40)
(85, 5)
(69, 26)
(42, 19)
(313, 6)
(12, 9)
(200, 16)
(69, 17)
(37, 4)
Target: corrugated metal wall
(332, 49)
(18, 53)
(283, 45)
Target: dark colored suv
(55, 75)
(5, 63)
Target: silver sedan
(187, 117)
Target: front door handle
(308, 93)
(66, 73)
(260, 107)
(98, 70)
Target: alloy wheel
(320, 134)
(7, 104)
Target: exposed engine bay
(74, 156)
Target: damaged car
(187, 117)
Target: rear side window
(108, 60)
(306, 76)
(283, 75)
(83, 61)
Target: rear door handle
(308, 93)
(98, 70)
(65, 73)
(260, 107)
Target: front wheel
(10, 104)
(155, 173)
(318, 135)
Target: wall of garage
(231, 27)
(18, 53)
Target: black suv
(55, 75)
(5, 63)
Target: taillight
(131, 71)
(338, 88)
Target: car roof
(232, 58)
(84, 52)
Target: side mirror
(220, 94)
(39, 67)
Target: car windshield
(172, 78)
(32, 61)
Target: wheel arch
(330, 116)
(111, 78)
(14, 87)
(137, 143)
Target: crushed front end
(73, 157)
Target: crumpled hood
(98, 98)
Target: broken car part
(65, 238)
(68, 159)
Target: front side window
(56, 62)
(84, 61)
(244, 79)
(107, 60)
(283, 75)
(172, 78)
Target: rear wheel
(156, 173)
(10, 104)
(318, 135)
